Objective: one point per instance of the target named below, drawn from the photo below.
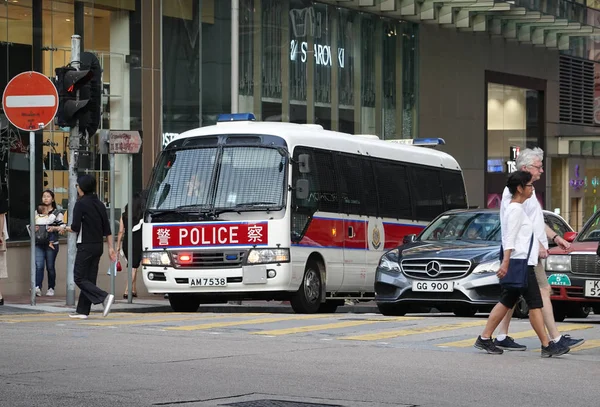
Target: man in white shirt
(530, 160)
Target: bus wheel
(307, 299)
(184, 302)
(394, 310)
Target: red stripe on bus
(394, 233)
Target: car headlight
(161, 258)
(263, 256)
(560, 262)
(389, 261)
(487, 267)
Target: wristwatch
(554, 238)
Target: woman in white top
(517, 238)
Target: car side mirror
(570, 236)
(409, 238)
(302, 187)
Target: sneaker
(38, 292)
(78, 316)
(509, 344)
(108, 302)
(50, 292)
(488, 346)
(554, 349)
(569, 342)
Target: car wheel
(394, 310)
(579, 312)
(465, 312)
(184, 302)
(560, 312)
(307, 299)
(521, 309)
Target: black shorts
(531, 294)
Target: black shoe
(554, 349)
(569, 342)
(488, 346)
(509, 344)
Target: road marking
(588, 344)
(246, 322)
(160, 320)
(516, 335)
(334, 325)
(412, 331)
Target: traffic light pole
(73, 149)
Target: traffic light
(87, 80)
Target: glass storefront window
(107, 34)
(337, 67)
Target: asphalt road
(284, 360)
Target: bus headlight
(263, 256)
(156, 258)
(558, 262)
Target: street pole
(235, 55)
(73, 150)
(130, 226)
(113, 228)
(32, 211)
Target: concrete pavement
(156, 303)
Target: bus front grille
(209, 259)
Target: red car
(574, 274)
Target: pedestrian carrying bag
(517, 274)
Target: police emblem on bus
(376, 240)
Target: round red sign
(30, 101)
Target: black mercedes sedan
(451, 265)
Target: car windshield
(471, 226)
(237, 178)
(591, 231)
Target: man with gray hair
(530, 160)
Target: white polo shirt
(533, 209)
(517, 231)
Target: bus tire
(184, 302)
(307, 299)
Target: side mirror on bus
(303, 166)
(409, 239)
(302, 189)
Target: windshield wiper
(183, 210)
(250, 206)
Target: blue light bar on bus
(236, 117)
(420, 141)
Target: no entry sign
(30, 101)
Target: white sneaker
(38, 292)
(50, 292)
(78, 316)
(108, 302)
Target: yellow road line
(189, 317)
(246, 322)
(517, 335)
(588, 344)
(334, 325)
(412, 331)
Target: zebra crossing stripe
(334, 325)
(413, 331)
(246, 322)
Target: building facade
(489, 77)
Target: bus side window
(427, 191)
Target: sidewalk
(156, 303)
